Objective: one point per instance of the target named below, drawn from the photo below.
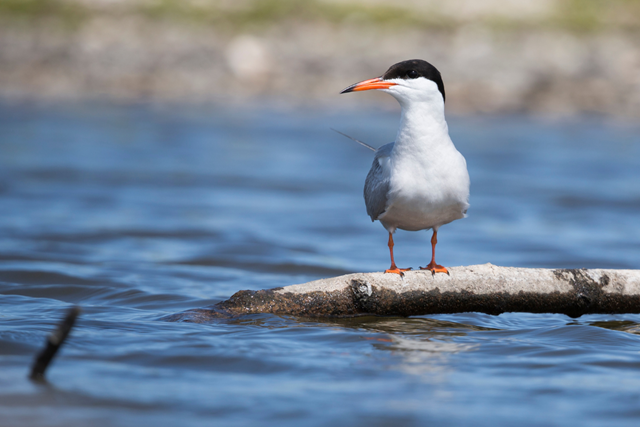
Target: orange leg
(433, 267)
(394, 268)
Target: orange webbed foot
(435, 268)
(396, 270)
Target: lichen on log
(478, 288)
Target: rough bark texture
(480, 288)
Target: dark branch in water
(477, 288)
(54, 342)
(364, 144)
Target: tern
(420, 181)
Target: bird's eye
(412, 74)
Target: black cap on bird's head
(406, 70)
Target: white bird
(420, 181)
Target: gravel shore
(130, 57)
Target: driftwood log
(477, 288)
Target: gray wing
(376, 186)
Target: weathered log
(478, 288)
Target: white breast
(426, 191)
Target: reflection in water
(408, 325)
(420, 346)
(423, 346)
(619, 325)
(426, 357)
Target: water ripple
(136, 213)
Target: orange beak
(376, 83)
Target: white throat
(422, 127)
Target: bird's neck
(422, 127)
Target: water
(138, 212)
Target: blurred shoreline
(237, 52)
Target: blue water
(136, 212)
